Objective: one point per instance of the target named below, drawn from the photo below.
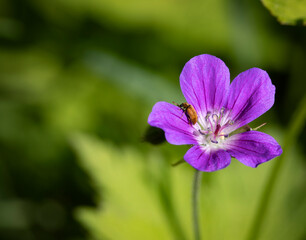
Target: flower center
(213, 126)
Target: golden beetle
(190, 112)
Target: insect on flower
(215, 109)
(189, 111)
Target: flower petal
(205, 83)
(207, 160)
(252, 148)
(251, 94)
(173, 121)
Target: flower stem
(297, 124)
(195, 208)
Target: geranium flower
(222, 107)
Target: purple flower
(221, 108)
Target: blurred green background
(77, 82)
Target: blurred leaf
(12, 214)
(297, 123)
(187, 28)
(131, 78)
(291, 12)
(179, 21)
(133, 207)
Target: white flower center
(211, 129)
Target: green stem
(195, 208)
(296, 125)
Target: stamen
(229, 122)
(213, 141)
(202, 132)
(211, 132)
(222, 111)
(224, 135)
(209, 120)
(215, 118)
(207, 116)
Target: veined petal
(205, 83)
(251, 94)
(173, 121)
(252, 148)
(207, 160)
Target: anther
(202, 132)
(213, 141)
(215, 117)
(207, 116)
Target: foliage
(131, 204)
(291, 12)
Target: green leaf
(131, 208)
(142, 197)
(290, 12)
